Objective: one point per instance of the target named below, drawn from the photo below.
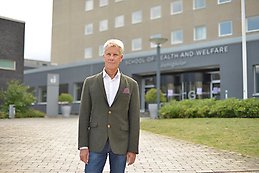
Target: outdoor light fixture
(158, 42)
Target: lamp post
(244, 51)
(158, 42)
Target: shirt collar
(116, 76)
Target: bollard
(11, 111)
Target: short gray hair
(114, 43)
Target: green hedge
(31, 113)
(228, 108)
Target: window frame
(136, 17)
(119, 21)
(103, 25)
(219, 28)
(6, 64)
(42, 94)
(103, 3)
(78, 87)
(172, 37)
(197, 8)
(256, 80)
(155, 12)
(89, 5)
(247, 24)
(176, 3)
(88, 53)
(195, 33)
(89, 29)
(224, 2)
(100, 50)
(136, 44)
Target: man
(109, 115)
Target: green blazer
(119, 122)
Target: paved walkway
(50, 145)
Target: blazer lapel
(101, 86)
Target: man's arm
(134, 121)
(84, 116)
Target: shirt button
(109, 126)
(110, 112)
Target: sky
(37, 15)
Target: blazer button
(109, 126)
(110, 112)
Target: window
(136, 44)
(136, 17)
(225, 28)
(256, 78)
(198, 4)
(88, 53)
(100, 50)
(89, 5)
(7, 64)
(103, 3)
(252, 24)
(63, 88)
(153, 45)
(78, 90)
(176, 7)
(200, 33)
(155, 12)
(119, 21)
(42, 94)
(88, 29)
(177, 37)
(103, 25)
(223, 1)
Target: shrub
(65, 98)
(151, 96)
(248, 108)
(228, 108)
(18, 95)
(31, 113)
(170, 110)
(3, 115)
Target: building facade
(201, 59)
(81, 27)
(11, 50)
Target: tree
(18, 95)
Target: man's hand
(131, 158)
(84, 155)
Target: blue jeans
(97, 161)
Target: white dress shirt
(111, 85)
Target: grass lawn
(232, 134)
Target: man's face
(112, 58)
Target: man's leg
(117, 162)
(96, 162)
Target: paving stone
(50, 145)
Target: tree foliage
(16, 94)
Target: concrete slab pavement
(50, 145)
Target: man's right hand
(84, 155)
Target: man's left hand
(131, 158)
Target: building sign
(178, 58)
